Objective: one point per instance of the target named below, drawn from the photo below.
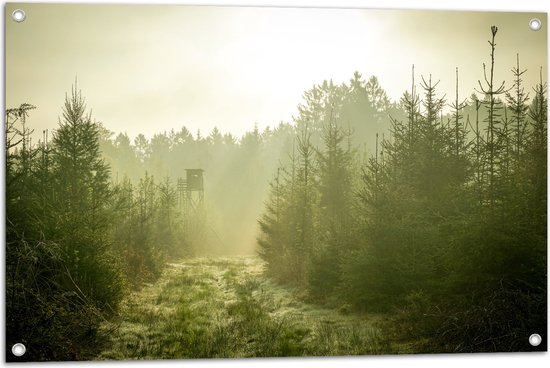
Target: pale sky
(148, 69)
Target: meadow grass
(225, 308)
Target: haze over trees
(429, 211)
(445, 223)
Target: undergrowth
(224, 308)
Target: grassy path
(223, 307)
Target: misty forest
(363, 226)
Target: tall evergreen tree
(493, 106)
(82, 196)
(334, 165)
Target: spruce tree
(82, 197)
(334, 162)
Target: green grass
(225, 308)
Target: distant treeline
(443, 226)
(236, 172)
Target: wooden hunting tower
(191, 191)
(191, 200)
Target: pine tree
(274, 226)
(82, 197)
(305, 208)
(493, 107)
(537, 152)
(518, 103)
(335, 188)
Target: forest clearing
(224, 308)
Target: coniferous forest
(363, 226)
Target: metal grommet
(18, 15)
(18, 349)
(535, 339)
(535, 24)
